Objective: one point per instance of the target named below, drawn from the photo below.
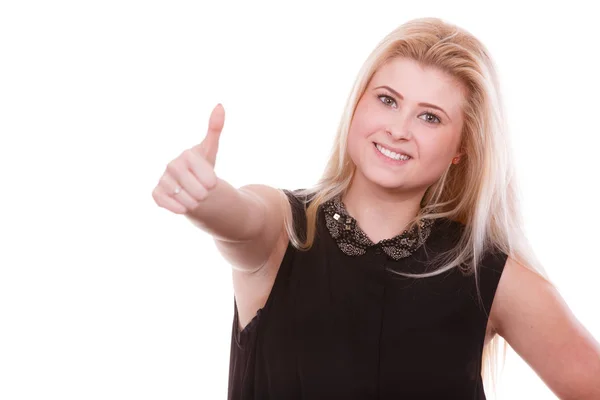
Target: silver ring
(177, 190)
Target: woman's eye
(435, 118)
(387, 100)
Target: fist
(189, 178)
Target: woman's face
(390, 114)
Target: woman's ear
(457, 157)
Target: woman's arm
(537, 323)
(228, 214)
(245, 223)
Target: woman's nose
(400, 127)
(399, 133)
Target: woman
(397, 275)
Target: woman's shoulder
(299, 196)
(447, 229)
(450, 224)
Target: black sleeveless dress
(338, 325)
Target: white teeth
(391, 154)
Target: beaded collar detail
(351, 239)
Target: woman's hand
(189, 178)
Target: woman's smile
(389, 157)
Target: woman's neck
(381, 213)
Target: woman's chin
(387, 181)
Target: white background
(104, 295)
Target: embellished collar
(351, 239)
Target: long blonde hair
(480, 192)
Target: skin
(430, 136)
(527, 312)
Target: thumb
(209, 147)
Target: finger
(178, 174)
(163, 199)
(201, 169)
(210, 145)
(169, 184)
(215, 123)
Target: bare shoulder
(516, 284)
(255, 263)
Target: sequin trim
(354, 242)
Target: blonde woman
(401, 271)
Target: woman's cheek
(436, 167)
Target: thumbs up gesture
(190, 177)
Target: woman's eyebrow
(420, 104)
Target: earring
(455, 160)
